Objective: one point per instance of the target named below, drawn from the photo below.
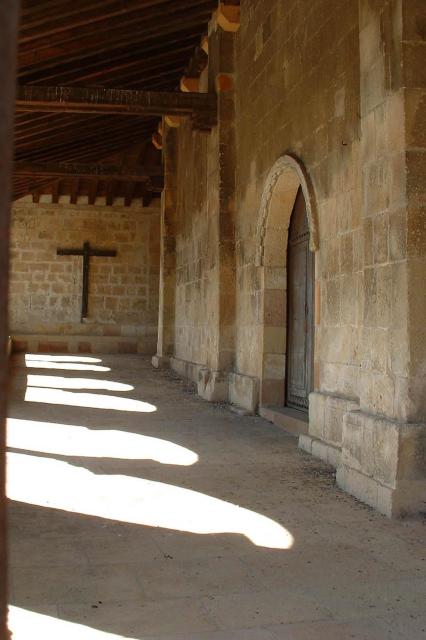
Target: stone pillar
(383, 451)
(8, 31)
(213, 380)
(410, 391)
(166, 313)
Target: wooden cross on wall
(87, 252)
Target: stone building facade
(45, 297)
(326, 99)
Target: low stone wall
(83, 344)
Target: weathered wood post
(9, 10)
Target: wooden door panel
(300, 309)
(297, 293)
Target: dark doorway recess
(300, 307)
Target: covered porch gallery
(212, 303)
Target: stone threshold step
(294, 421)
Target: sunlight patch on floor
(29, 357)
(59, 382)
(89, 400)
(75, 440)
(65, 366)
(52, 483)
(28, 624)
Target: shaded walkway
(140, 512)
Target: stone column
(383, 452)
(213, 380)
(8, 32)
(166, 313)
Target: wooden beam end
(173, 122)
(157, 140)
(205, 44)
(224, 82)
(228, 17)
(189, 85)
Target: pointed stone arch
(282, 185)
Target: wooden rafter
(55, 192)
(110, 193)
(74, 190)
(93, 190)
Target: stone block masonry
(46, 289)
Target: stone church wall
(298, 92)
(45, 289)
(336, 91)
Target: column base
(213, 385)
(325, 451)
(186, 369)
(324, 437)
(383, 464)
(243, 392)
(160, 362)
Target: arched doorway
(287, 190)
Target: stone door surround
(282, 184)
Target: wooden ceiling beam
(89, 147)
(65, 133)
(87, 171)
(107, 35)
(63, 127)
(78, 15)
(33, 10)
(160, 76)
(131, 71)
(202, 107)
(90, 66)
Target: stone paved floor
(147, 513)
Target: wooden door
(300, 274)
